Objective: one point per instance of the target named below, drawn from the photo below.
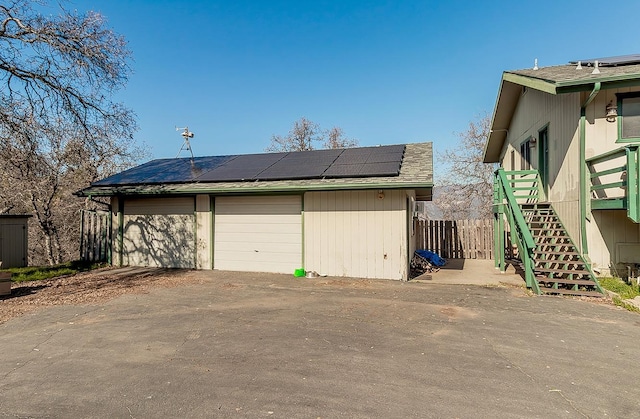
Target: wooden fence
(456, 239)
(95, 236)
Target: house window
(525, 155)
(629, 117)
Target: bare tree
(335, 139)
(63, 66)
(59, 128)
(301, 137)
(306, 134)
(466, 186)
(41, 168)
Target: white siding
(159, 232)
(561, 114)
(356, 233)
(258, 234)
(606, 229)
(203, 232)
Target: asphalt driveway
(256, 345)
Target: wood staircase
(559, 268)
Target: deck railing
(615, 181)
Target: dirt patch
(458, 312)
(88, 288)
(344, 283)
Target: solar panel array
(165, 171)
(611, 61)
(316, 164)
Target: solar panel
(301, 165)
(343, 170)
(135, 175)
(367, 161)
(245, 167)
(386, 157)
(331, 153)
(316, 164)
(380, 169)
(293, 171)
(352, 156)
(611, 61)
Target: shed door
(13, 239)
(159, 232)
(258, 234)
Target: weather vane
(186, 134)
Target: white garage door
(258, 234)
(159, 232)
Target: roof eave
(508, 96)
(212, 189)
(510, 90)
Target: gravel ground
(88, 288)
(101, 285)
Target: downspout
(584, 196)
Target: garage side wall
(204, 227)
(159, 232)
(359, 234)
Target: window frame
(620, 99)
(525, 154)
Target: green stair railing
(511, 189)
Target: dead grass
(87, 288)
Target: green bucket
(299, 273)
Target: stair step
(566, 281)
(563, 271)
(559, 291)
(537, 204)
(556, 252)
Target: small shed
(13, 240)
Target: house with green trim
(567, 195)
(341, 212)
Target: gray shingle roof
(568, 75)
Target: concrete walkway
(274, 346)
(472, 272)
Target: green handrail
(520, 233)
(518, 217)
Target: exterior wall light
(612, 112)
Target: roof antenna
(186, 134)
(535, 64)
(596, 70)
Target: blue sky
(386, 72)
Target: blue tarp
(431, 257)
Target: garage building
(340, 212)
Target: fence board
(456, 239)
(95, 236)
